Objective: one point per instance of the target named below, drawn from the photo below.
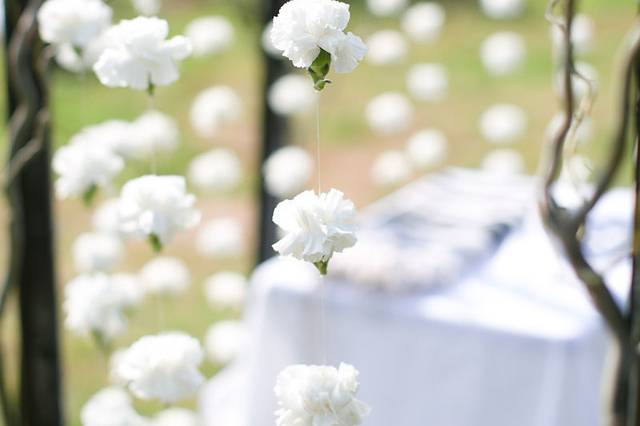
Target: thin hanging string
(323, 314)
(318, 163)
(154, 161)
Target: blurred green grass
(349, 148)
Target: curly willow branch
(564, 224)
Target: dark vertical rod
(32, 238)
(275, 132)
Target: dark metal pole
(275, 132)
(29, 190)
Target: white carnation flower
(73, 22)
(389, 113)
(503, 162)
(391, 168)
(97, 252)
(503, 123)
(157, 207)
(176, 417)
(165, 276)
(83, 167)
(139, 55)
(154, 132)
(423, 22)
(503, 9)
(428, 82)
(218, 170)
(68, 58)
(291, 94)
(310, 395)
(267, 44)
(212, 108)
(315, 227)
(224, 341)
(130, 288)
(386, 7)
(94, 306)
(221, 238)
(502, 53)
(287, 171)
(582, 30)
(147, 7)
(226, 290)
(111, 406)
(209, 35)
(305, 28)
(162, 366)
(427, 148)
(387, 47)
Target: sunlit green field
(348, 146)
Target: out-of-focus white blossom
(105, 218)
(157, 207)
(303, 27)
(220, 238)
(581, 87)
(226, 290)
(292, 94)
(94, 306)
(139, 55)
(391, 168)
(502, 53)
(503, 9)
(154, 132)
(427, 148)
(287, 171)
(315, 226)
(111, 406)
(311, 395)
(503, 162)
(389, 113)
(212, 108)
(117, 135)
(267, 43)
(147, 7)
(423, 22)
(386, 47)
(73, 22)
(162, 366)
(218, 170)
(83, 166)
(428, 82)
(68, 58)
(582, 30)
(224, 341)
(209, 35)
(581, 134)
(176, 417)
(97, 252)
(130, 288)
(386, 7)
(503, 123)
(165, 276)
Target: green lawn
(349, 148)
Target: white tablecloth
(515, 343)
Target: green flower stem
(322, 266)
(319, 70)
(89, 195)
(155, 242)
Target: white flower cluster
(212, 108)
(315, 226)
(291, 94)
(389, 113)
(311, 34)
(96, 304)
(165, 276)
(502, 53)
(163, 366)
(110, 407)
(209, 35)
(216, 171)
(310, 395)
(227, 290)
(287, 171)
(220, 238)
(224, 341)
(138, 55)
(157, 207)
(97, 252)
(84, 166)
(503, 123)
